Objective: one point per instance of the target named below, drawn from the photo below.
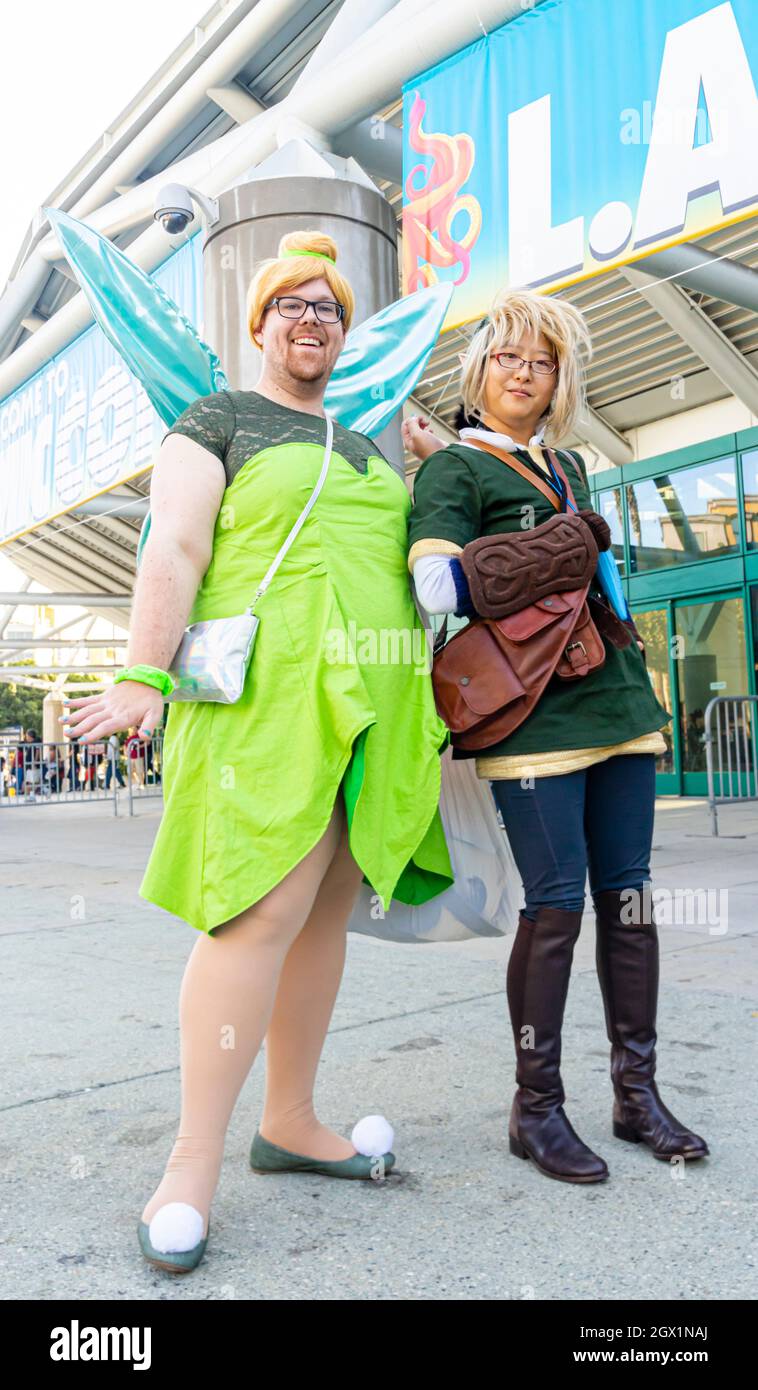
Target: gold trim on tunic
(554, 764)
(432, 547)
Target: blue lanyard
(554, 481)
(557, 483)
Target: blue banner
(83, 422)
(581, 135)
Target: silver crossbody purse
(213, 656)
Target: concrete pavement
(90, 1098)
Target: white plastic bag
(484, 899)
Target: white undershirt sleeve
(434, 583)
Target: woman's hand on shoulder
(419, 437)
(129, 704)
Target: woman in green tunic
(575, 781)
(324, 773)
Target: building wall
(678, 431)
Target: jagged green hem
(418, 882)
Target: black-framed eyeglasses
(510, 362)
(291, 306)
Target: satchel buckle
(576, 662)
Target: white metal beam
(604, 437)
(254, 30)
(7, 613)
(236, 101)
(81, 668)
(696, 329)
(66, 597)
(22, 677)
(352, 21)
(93, 563)
(31, 643)
(72, 570)
(702, 270)
(52, 633)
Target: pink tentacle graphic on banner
(430, 209)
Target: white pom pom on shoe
(373, 1136)
(176, 1227)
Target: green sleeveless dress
(338, 693)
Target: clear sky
(67, 71)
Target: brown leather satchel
(488, 677)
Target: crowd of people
(34, 769)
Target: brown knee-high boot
(627, 968)
(537, 984)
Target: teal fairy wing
(384, 358)
(159, 345)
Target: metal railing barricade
(51, 774)
(731, 752)
(144, 773)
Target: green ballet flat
(266, 1157)
(174, 1261)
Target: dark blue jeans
(598, 819)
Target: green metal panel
(751, 566)
(608, 477)
(677, 581)
(703, 452)
(751, 639)
(747, 439)
(696, 784)
(668, 783)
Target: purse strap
(527, 473)
(439, 640)
(273, 567)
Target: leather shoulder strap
(525, 472)
(561, 474)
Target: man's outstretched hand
(123, 706)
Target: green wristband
(148, 675)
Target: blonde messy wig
(283, 274)
(519, 312)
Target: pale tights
(274, 970)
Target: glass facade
(684, 530)
(676, 518)
(610, 506)
(750, 495)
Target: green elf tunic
(461, 493)
(338, 692)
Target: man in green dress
(325, 772)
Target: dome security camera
(174, 207)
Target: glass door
(710, 659)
